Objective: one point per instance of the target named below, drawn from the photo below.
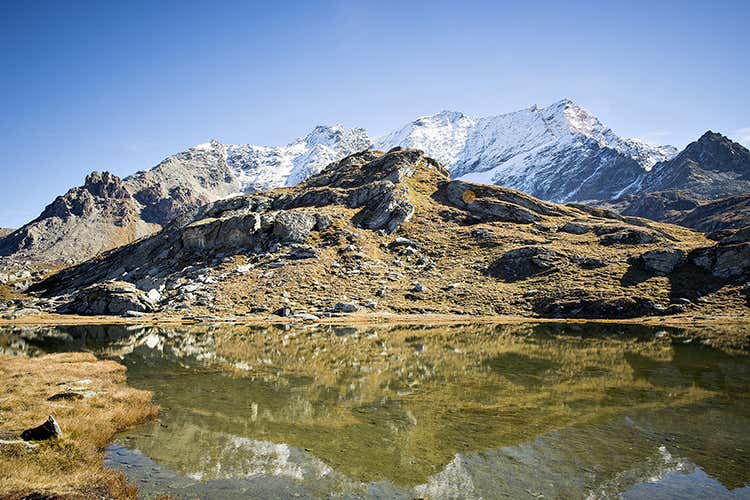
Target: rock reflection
(522, 410)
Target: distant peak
(563, 103)
(710, 135)
(453, 115)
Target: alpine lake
(550, 410)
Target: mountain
(392, 233)
(86, 220)
(711, 167)
(258, 168)
(106, 211)
(4, 231)
(718, 215)
(559, 153)
(705, 187)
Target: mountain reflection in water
(552, 410)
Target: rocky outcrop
(525, 262)
(662, 262)
(729, 258)
(372, 183)
(725, 213)
(493, 204)
(628, 236)
(659, 205)
(594, 308)
(111, 298)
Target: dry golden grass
(70, 467)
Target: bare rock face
(717, 215)
(709, 168)
(704, 187)
(85, 221)
(729, 259)
(111, 298)
(489, 203)
(294, 226)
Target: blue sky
(120, 85)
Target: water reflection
(467, 411)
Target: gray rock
(724, 261)
(525, 262)
(387, 212)
(628, 236)
(346, 307)
(662, 262)
(110, 298)
(294, 226)
(575, 228)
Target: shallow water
(511, 411)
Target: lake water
(509, 411)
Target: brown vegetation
(70, 467)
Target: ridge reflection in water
(570, 411)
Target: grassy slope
(72, 466)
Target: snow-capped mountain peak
(261, 167)
(442, 135)
(537, 149)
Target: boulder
(575, 228)
(628, 236)
(724, 261)
(662, 262)
(525, 262)
(110, 298)
(346, 307)
(615, 307)
(387, 212)
(293, 226)
(50, 429)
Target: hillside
(391, 232)
(559, 153)
(107, 212)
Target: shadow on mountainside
(687, 281)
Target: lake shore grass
(71, 466)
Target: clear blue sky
(120, 85)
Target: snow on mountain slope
(442, 136)
(262, 167)
(560, 153)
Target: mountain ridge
(559, 153)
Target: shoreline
(52, 319)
